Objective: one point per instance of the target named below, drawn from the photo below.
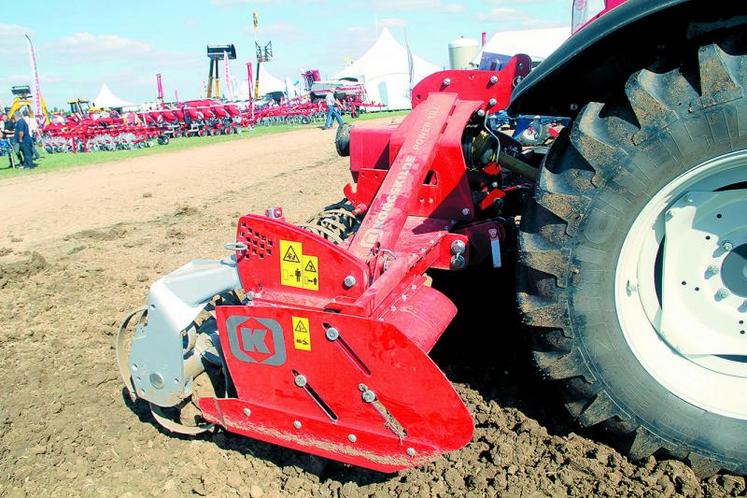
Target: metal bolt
(156, 380)
(332, 334)
(297, 424)
(631, 287)
(493, 80)
(480, 113)
(447, 81)
(247, 412)
(349, 281)
(492, 102)
(300, 380)
(368, 396)
(466, 211)
(722, 293)
(573, 107)
(727, 246)
(458, 262)
(711, 270)
(411, 451)
(352, 438)
(458, 247)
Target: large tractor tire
(633, 260)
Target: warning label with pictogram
(296, 268)
(310, 273)
(301, 333)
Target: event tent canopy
(384, 70)
(267, 83)
(536, 43)
(106, 98)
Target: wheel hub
(703, 281)
(734, 271)
(680, 282)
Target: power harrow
(317, 337)
(631, 272)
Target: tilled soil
(79, 248)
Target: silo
(462, 51)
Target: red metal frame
(412, 186)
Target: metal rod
(518, 166)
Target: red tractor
(631, 235)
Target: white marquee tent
(384, 71)
(536, 43)
(106, 98)
(267, 83)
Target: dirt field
(79, 248)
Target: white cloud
(392, 22)
(511, 18)
(453, 8)
(411, 5)
(87, 47)
(13, 44)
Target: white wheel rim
(716, 384)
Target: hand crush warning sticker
(296, 268)
(301, 333)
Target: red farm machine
(630, 232)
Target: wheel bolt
(727, 246)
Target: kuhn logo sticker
(256, 340)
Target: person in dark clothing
(23, 137)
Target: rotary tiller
(631, 275)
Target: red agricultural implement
(632, 248)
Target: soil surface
(79, 248)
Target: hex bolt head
(411, 451)
(247, 412)
(493, 80)
(300, 380)
(349, 281)
(458, 262)
(466, 211)
(727, 246)
(297, 424)
(368, 396)
(447, 81)
(492, 102)
(480, 113)
(722, 293)
(156, 380)
(352, 438)
(332, 334)
(458, 247)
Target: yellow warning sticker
(296, 268)
(310, 273)
(301, 333)
(291, 267)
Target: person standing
(23, 138)
(33, 131)
(333, 111)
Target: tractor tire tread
(599, 152)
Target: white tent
(106, 98)
(536, 43)
(384, 71)
(267, 83)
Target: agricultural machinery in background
(632, 254)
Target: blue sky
(83, 43)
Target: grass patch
(53, 162)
